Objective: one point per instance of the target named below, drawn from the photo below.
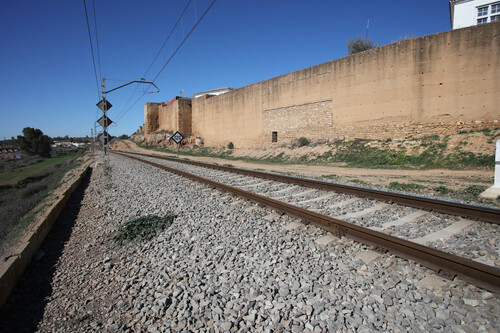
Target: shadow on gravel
(25, 306)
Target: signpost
(104, 137)
(104, 121)
(105, 105)
(177, 137)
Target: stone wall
(151, 117)
(173, 116)
(311, 120)
(441, 83)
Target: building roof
(218, 91)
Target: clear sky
(47, 77)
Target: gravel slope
(229, 265)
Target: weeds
(470, 193)
(405, 187)
(433, 153)
(29, 192)
(19, 198)
(143, 228)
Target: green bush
(405, 187)
(360, 44)
(303, 142)
(143, 228)
(230, 145)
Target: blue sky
(47, 76)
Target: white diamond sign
(177, 137)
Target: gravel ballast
(226, 265)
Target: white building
(466, 13)
(214, 92)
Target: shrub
(143, 228)
(303, 142)
(230, 145)
(360, 44)
(35, 142)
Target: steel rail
(454, 208)
(445, 264)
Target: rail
(491, 215)
(443, 263)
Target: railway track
(370, 220)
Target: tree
(360, 44)
(123, 137)
(34, 141)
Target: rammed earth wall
(436, 84)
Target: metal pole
(496, 183)
(177, 150)
(105, 116)
(92, 138)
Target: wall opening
(275, 137)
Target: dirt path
(452, 178)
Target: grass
(143, 228)
(14, 176)
(18, 200)
(405, 187)
(433, 153)
(470, 193)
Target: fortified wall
(170, 116)
(437, 84)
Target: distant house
(68, 144)
(214, 92)
(466, 13)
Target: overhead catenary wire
(97, 42)
(92, 49)
(136, 101)
(168, 37)
(122, 111)
(185, 38)
(173, 54)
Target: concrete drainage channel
(13, 267)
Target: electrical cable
(175, 52)
(169, 35)
(187, 36)
(137, 100)
(122, 111)
(97, 42)
(92, 51)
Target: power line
(129, 99)
(122, 112)
(137, 100)
(91, 49)
(175, 52)
(187, 36)
(97, 42)
(169, 35)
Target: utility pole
(92, 138)
(104, 105)
(105, 127)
